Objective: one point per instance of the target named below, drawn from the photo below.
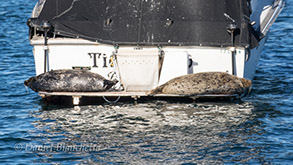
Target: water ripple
(257, 130)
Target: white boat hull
(142, 68)
(72, 53)
(178, 61)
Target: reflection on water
(150, 132)
(256, 132)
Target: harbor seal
(203, 84)
(69, 81)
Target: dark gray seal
(204, 84)
(69, 81)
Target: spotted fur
(69, 81)
(204, 83)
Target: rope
(111, 102)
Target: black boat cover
(149, 22)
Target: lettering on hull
(101, 58)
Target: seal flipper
(158, 90)
(108, 84)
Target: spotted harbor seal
(204, 84)
(69, 81)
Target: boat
(143, 44)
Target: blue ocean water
(257, 130)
